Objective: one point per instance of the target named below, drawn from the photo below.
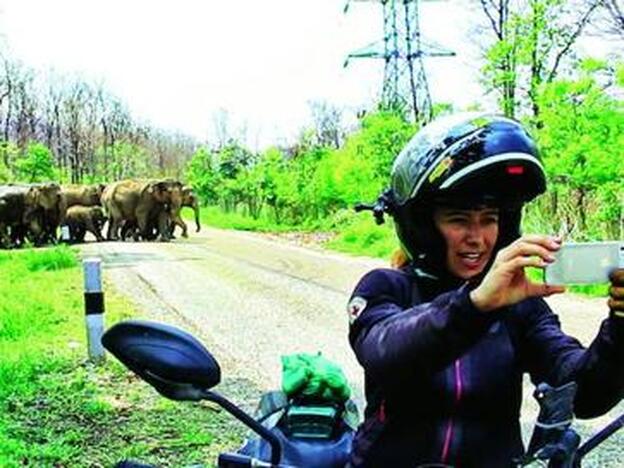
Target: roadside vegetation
(59, 410)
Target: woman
(446, 338)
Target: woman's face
(470, 236)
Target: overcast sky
(177, 63)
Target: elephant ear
(51, 189)
(155, 189)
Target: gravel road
(251, 299)
(248, 298)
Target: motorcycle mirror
(171, 360)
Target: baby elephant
(81, 219)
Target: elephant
(23, 232)
(130, 201)
(85, 195)
(12, 209)
(173, 219)
(80, 219)
(151, 232)
(188, 199)
(50, 207)
(23, 210)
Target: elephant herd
(148, 210)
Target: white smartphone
(585, 262)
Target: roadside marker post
(65, 234)
(94, 307)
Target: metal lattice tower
(405, 84)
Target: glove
(616, 293)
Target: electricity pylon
(405, 84)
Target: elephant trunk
(196, 210)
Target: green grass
(361, 236)
(214, 216)
(351, 232)
(59, 410)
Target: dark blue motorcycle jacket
(443, 380)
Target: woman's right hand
(616, 293)
(506, 282)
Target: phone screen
(584, 263)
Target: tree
(361, 168)
(116, 124)
(5, 173)
(51, 122)
(83, 125)
(611, 20)
(75, 121)
(532, 40)
(37, 164)
(26, 110)
(501, 57)
(277, 183)
(552, 27)
(203, 175)
(328, 127)
(582, 141)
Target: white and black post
(94, 307)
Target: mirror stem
(251, 423)
(600, 437)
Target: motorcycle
(292, 432)
(302, 432)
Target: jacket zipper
(448, 438)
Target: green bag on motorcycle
(312, 416)
(315, 377)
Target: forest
(70, 130)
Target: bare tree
(116, 125)
(503, 62)
(328, 127)
(7, 83)
(552, 38)
(74, 125)
(610, 19)
(51, 124)
(616, 9)
(221, 124)
(90, 132)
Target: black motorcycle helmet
(463, 160)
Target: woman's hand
(616, 293)
(506, 283)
